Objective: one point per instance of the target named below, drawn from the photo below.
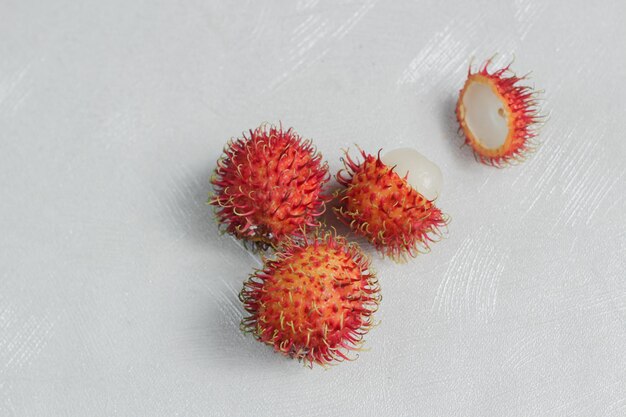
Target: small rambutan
(313, 300)
(497, 115)
(269, 186)
(390, 201)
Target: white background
(119, 298)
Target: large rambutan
(390, 201)
(497, 115)
(313, 300)
(269, 186)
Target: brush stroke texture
(118, 296)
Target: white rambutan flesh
(486, 115)
(421, 174)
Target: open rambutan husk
(313, 300)
(515, 116)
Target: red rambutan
(384, 207)
(313, 300)
(269, 186)
(498, 116)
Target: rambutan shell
(269, 186)
(313, 300)
(376, 203)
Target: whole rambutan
(394, 210)
(498, 116)
(313, 300)
(269, 186)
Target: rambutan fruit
(390, 201)
(497, 115)
(269, 186)
(313, 300)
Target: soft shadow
(210, 334)
(192, 219)
(219, 341)
(450, 126)
(329, 219)
(195, 217)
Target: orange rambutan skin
(522, 107)
(313, 301)
(381, 206)
(269, 186)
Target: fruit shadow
(330, 221)
(446, 114)
(219, 339)
(212, 328)
(192, 219)
(212, 331)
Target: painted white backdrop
(119, 298)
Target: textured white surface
(117, 296)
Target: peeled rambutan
(394, 210)
(498, 116)
(313, 300)
(269, 186)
